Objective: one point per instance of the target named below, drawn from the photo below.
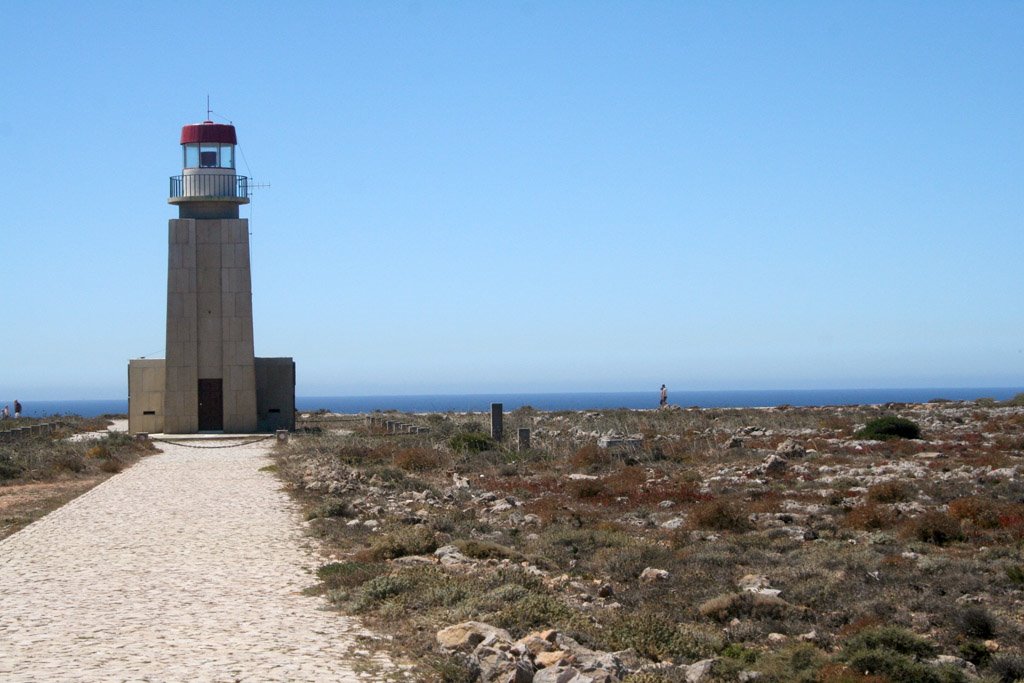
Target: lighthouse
(210, 380)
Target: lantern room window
(209, 155)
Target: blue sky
(563, 196)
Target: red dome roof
(208, 131)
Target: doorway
(211, 405)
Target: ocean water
(575, 401)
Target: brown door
(211, 405)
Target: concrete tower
(211, 366)
(211, 379)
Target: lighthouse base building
(211, 380)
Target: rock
(449, 554)
(650, 575)
(774, 464)
(605, 590)
(466, 636)
(701, 671)
(791, 449)
(955, 662)
(734, 442)
(561, 674)
(499, 666)
(809, 637)
(544, 660)
(777, 638)
(538, 641)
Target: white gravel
(189, 566)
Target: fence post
(524, 438)
(496, 416)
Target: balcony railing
(209, 186)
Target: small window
(191, 156)
(274, 410)
(149, 412)
(227, 156)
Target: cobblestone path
(189, 566)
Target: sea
(425, 403)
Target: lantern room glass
(208, 155)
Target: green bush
(1007, 668)
(471, 442)
(332, 507)
(896, 653)
(402, 542)
(889, 427)
(349, 574)
(976, 622)
(1015, 573)
(658, 637)
(893, 638)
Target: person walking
(664, 396)
(5, 413)
(17, 409)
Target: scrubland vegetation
(783, 544)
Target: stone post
(496, 416)
(524, 438)
(282, 435)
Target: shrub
(974, 652)
(402, 542)
(1007, 668)
(535, 611)
(982, 511)
(721, 515)
(336, 575)
(740, 605)
(896, 654)
(471, 442)
(418, 459)
(889, 427)
(385, 586)
(658, 637)
(98, 451)
(591, 457)
(892, 638)
(871, 517)
(1017, 400)
(9, 470)
(976, 622)
(890, 492)
(482, 550)
(936, 527)
(332, 507)
(1015, 572)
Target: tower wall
(209, 325)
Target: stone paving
(188, 566)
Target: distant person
(664, 396)
(5, 413)
(17, 409)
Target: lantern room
(208, 186)
(208, 145)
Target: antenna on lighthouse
(207, 106)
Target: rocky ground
(702, 545)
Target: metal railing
(209, 186)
